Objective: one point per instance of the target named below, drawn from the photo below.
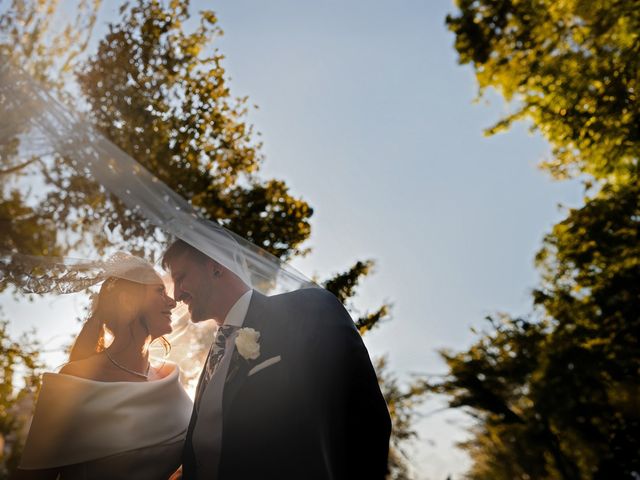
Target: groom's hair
(179, 248)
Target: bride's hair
(107, 310)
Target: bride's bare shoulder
(90, 368)
(164, 370)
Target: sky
(366, 115)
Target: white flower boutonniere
(247, 343)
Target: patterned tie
(217, 351)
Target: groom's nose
(172, 302)
(178, 294)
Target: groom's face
(192, 285)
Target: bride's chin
(161, 332)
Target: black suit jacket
(316, 414)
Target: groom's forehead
(183, 263)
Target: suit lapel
(239, 368)
(188, 454)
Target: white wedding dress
(106, 430)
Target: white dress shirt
(207, 433)
(235, 316)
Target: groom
(301, 401)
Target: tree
(403, 400)
(159, 93)
(26, 35)
(591, 274)
(569, 67)
(20, 366)
(555, 395)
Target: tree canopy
(555, 394)
(158, 91)
(20, 365)
(570, 67)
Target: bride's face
(156, 310)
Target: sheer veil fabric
(41, 125)
(35, 124)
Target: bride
(108, 413)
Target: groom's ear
(214, 269)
